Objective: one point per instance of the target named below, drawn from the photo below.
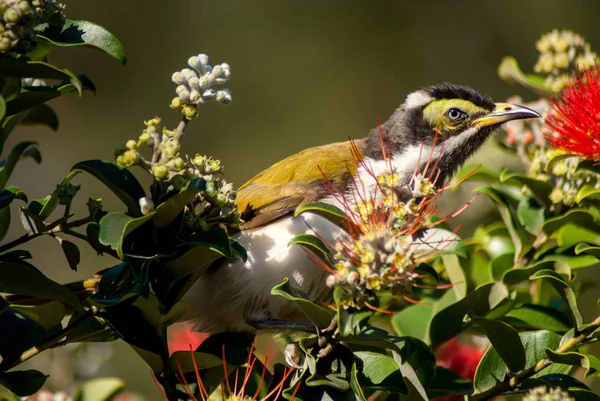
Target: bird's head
(446, 122)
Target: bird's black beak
(504, 112)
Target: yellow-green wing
(278, 190)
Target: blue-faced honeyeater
(446, 121)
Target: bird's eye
(456, 115)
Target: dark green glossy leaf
(32, 224)
(23, 68)
(437, 241)
(531, 215)
(33, 96)
(93, 329)
(505, 341)
(330, 212)
(116, 226)
(380, 372)
(449, 321)
(587, 191)
(83, 33)
(100, 389)
(48, 315)
(565, 291)
(156, 315)
(574, 216)
(313, 244)
(476, 173)
(40, 51)
(50, 203)
(4, 222)
(539, 189)
(118, 180)
(518, 275)
(537, 317)
(18, 152)
(23, 382)
(2, 107)
(492, 369)
(19, 279)
(446, 382)
(71, 252)
(42, 115)
(317, 314)
(590, 363)
(588, 249)
(167, 211)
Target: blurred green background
(304, 73)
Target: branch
(512, 382)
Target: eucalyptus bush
(406, 288)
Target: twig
(49, 343)
(180, 130)
(512, 382)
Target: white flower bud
(203, 82)
(184, 96)
(217, 71)
(330, 281)
(194, 83)
(189, 74)
(195, 96)
(146, 205)
(224, 96)
(178, 78)
(203, 59)
(209, 94)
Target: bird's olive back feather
(278, 190)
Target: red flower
(575, 116)
(460, 358)
(183, 336)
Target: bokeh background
(304, 73)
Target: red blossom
(575, 116)
(183, 336)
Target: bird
(447, 121)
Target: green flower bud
(160, 171)
(130, 157)
(556, 196)
(11, 16)
(5, 45)
(66, 193)
(176, 103)
(152, 122)
(121, 162)
(179, 163)
(178, 181)
(210, 187)
(220, 199)
(145, 139)
(131, 144)
(189, 111)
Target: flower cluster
(195, 85)
(18, 19)
(176, 171)
(561, 54)
(543, 393)
(380, 251)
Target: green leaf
(575, 388)
(2, 107)
(415, 320)
(505, 341)
(492, 369)
(189, 361)
(509, 71)
(42, 115)
(50, 203)
(168, 211)
(93, 329)
(531, 215)
(23, 382)
(456, 275)
(48, 315)
(32, 224)
(446, 382)
(156, 315)
(539, 189)
(313, 244)
(101, 389)
(33, 96)
(564, 290)
(518, 275)
(18, 152)
(330, 212)
(23, 68)
(536, 317)
(573, 216)
(437, 241)
(118, 180)
(588, 249)
(317, 314)
(476, 173)
(71, 252)
(449, 321)
(83, 33)
(116, 226)
(380, 372)
(4, 222)
(590, 363)
(19, 279)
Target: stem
(49, 343)
(168, 375)
(180, 130)
(512, 382)
(19, 241)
